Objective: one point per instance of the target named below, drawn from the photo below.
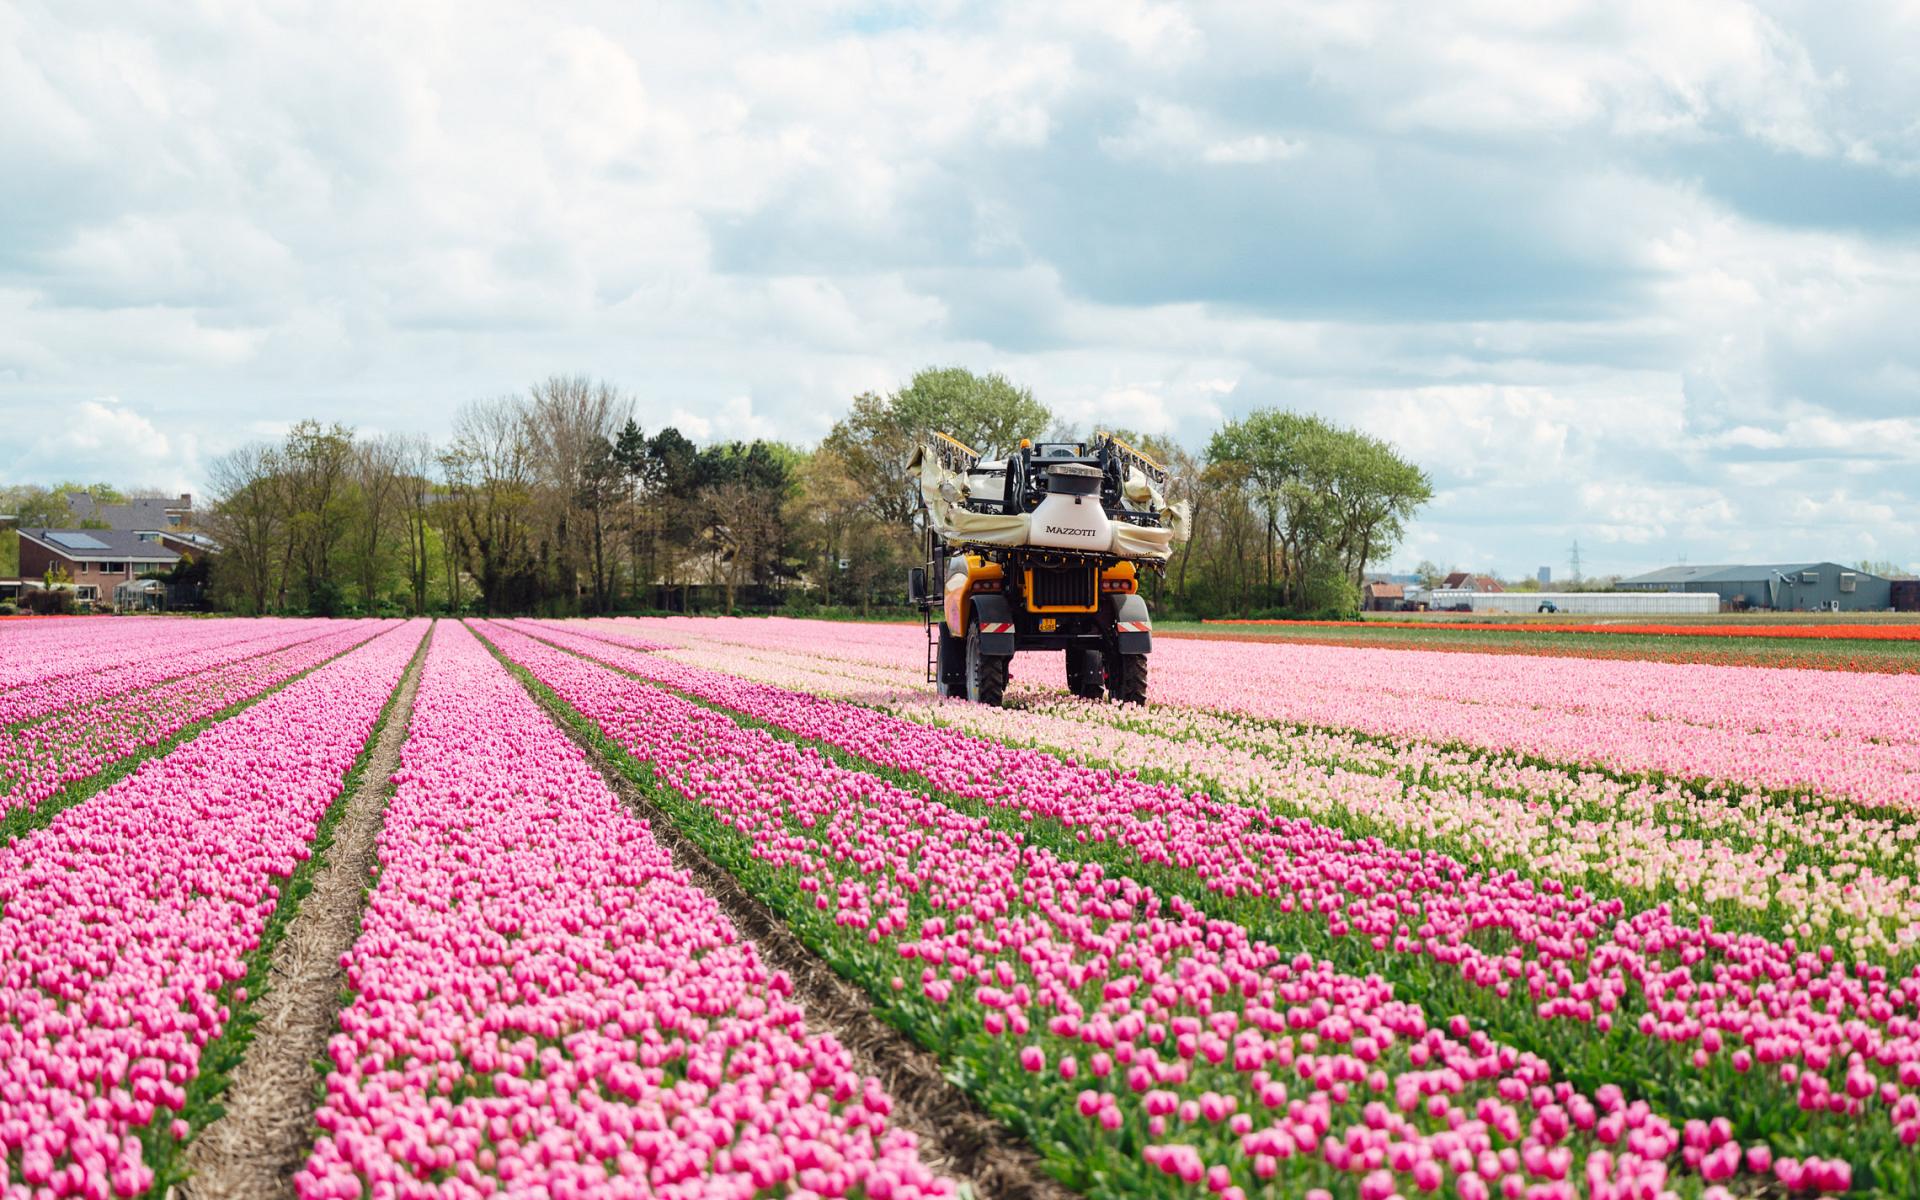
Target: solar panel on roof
(76, 541)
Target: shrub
(327, 600)
(49, 601)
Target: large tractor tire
(986, 673)
(1127, 678)
(1086, 673)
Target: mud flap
(995, 616)
(951, 664)
(1131, 622)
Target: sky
(1644, 276)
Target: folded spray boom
(1041, 549)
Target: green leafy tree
(316, 465)
(377, 479)
(417, 493)
(1374, 493)
(1286, 456)
(102, 493)
(1333, 499)
(37, 507)
(598, 496)
(877, 437)
(674, 485)
(1885, 568)
(249, 518)
(988, 412)
(636, 485)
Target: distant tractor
(1041, 550)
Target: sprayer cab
(1042, 550)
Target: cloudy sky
(1645, 275)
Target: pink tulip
(125, 917)
(1023, 925)
(520, 910)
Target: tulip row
(1143, 1046)
(1822, 632)
(1851, 735)
(140, 656)
(129, 923)
(37, 651)
(544, 1005)
(1772, 864)
(1673, 1010)
(1880, 656)
(43, 758)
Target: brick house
(1469, 582)
(98, 559)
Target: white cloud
(1172, 133)
(1137, 408)
(733, 421)
(1248, 149)
(1478, 431)
(1639, 69)
(104, 439)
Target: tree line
(558, 500)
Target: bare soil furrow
(267, 1130)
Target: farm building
(1383, 597)
(1590, 603)
(1647, 604)
(1782, 587)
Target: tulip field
(1318, 922)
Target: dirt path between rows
(957, 1138)
(253, 1151)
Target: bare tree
(248, 519)
(417, 464)
(571, 423)
(490, 494)
(745, 522)
(378, 470)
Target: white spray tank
(1071, 516)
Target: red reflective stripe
(1006, 627)
(1134, 626)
